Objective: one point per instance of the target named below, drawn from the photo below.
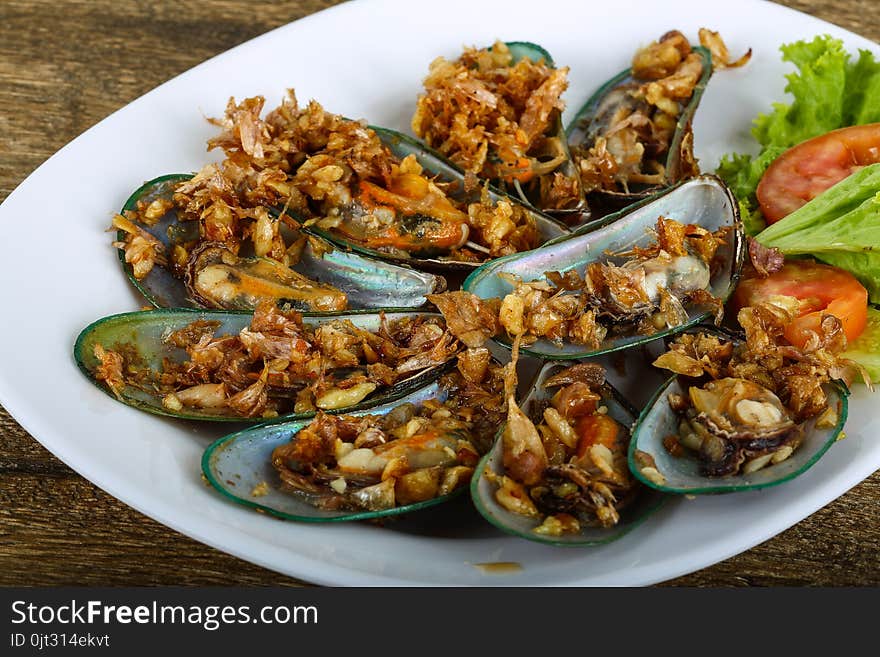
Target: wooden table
(64, 66)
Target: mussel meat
(217, 278)
(736, 423)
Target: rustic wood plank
(59, 77)
(62, 530)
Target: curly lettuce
(829, 90)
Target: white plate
(364, 59)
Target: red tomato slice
(822, 289)
(804, 171)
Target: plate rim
(35, 424)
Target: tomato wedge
(821, 289)
(806, 170)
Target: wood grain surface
(64, 66)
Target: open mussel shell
(704, 200)
(594, 116)
(366, 282)
(645, 501)
(160, 287)
(578, 212)
(240, 467)
(440, 169)
(682, 475)
(144, 333)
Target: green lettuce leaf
(863, 91)
(742, 173)
(828, 91)
(818, 89)
(840, 227)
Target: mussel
(605, 291)
(496, 113)
(587, 499)
(240, 466)
(418, 222)
(263, 366)
(323, 279)
(709, 429)
(395, 458)
(630, 139)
